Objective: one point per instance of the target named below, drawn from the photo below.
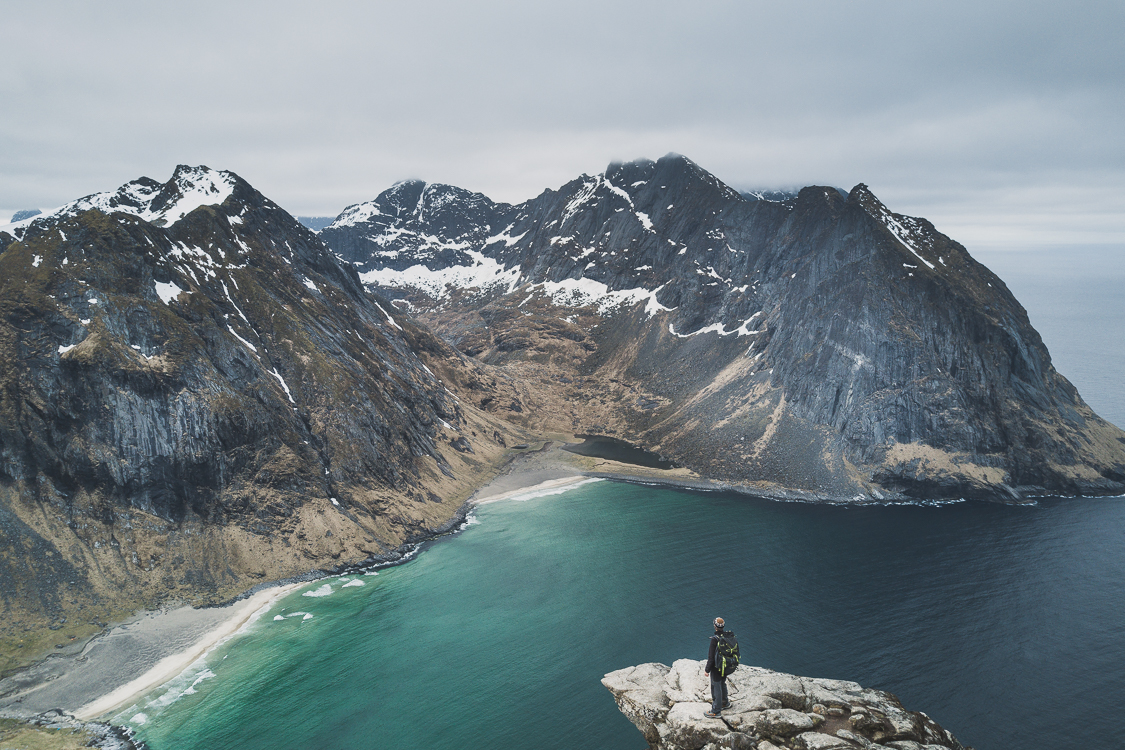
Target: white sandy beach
(237, 616)
(548, 487)
(129, 659)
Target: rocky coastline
(58, 726)
(769, 711)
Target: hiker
(719, 699)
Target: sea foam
(206, 674)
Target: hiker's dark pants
(718, 693)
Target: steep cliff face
(195, 395)
(820, 343)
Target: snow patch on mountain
(504, 237)
(191, 188)
(389, 318)
(245, 343)
(167, 291)
(284, 386)
(485, 274)
(907, 230)
(720, 328)
(584, 292)
(356, 214)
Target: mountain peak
(27, 213)
(158, 203)
(407, 200)
(190, 188)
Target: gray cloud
(999, 121)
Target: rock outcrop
(770, 710)
(56, 728)
(819, 343)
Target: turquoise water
(1003, 623)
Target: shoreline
(153, 647)
(172, 640)
(243, 613)
(131, 658)
(548, 487)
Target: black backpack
(726, 653)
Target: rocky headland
(770, 710)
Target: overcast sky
(1002, 122)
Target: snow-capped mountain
(819, 342)
(199, 395)
(158, 203)
(416, 222)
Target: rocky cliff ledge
(770, 710)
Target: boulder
(783, 722)
(686, 726)
(739, 741)
(819, 741)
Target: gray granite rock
(819, 741)
(739, 741)
(782, 722)
(769, 710)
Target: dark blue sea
(1005, 624)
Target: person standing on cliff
(719, 699)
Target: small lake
(613, 449)
(1003, 623)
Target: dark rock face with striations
(196, 395)
(820, 345)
